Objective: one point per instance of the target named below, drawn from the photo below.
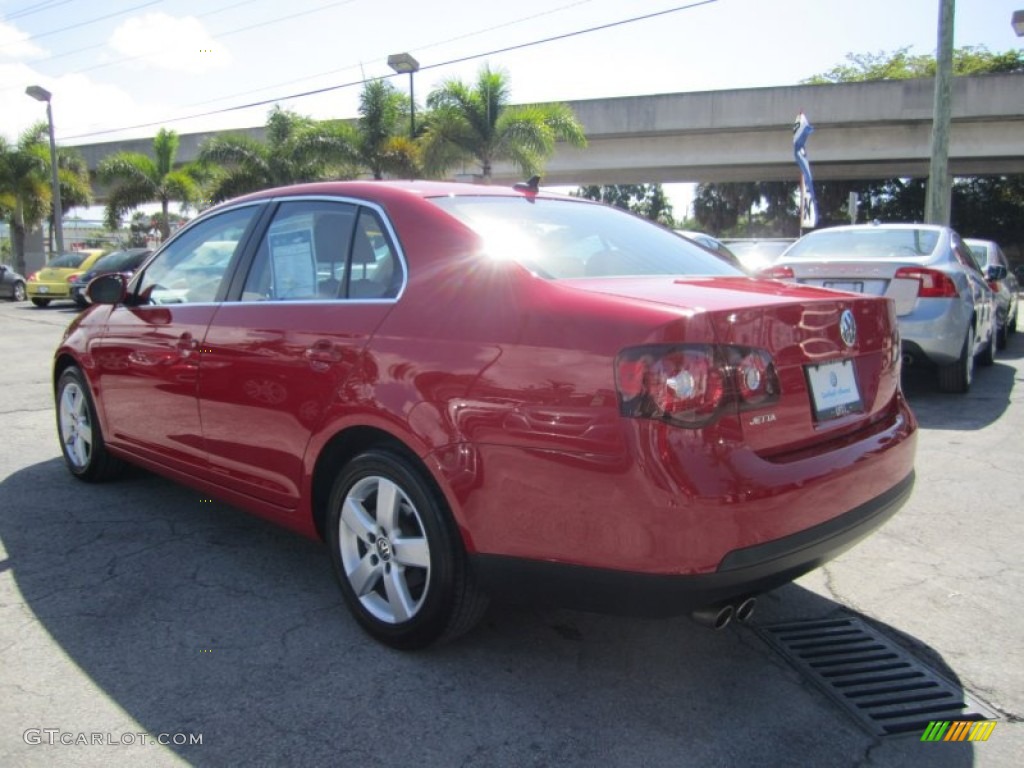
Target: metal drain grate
(885, 688)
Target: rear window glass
(67, 260)
(561, 239)
(867, 243)
(120, 260)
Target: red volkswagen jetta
(474, 391)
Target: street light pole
(938, 192)
(41, 94)
(402, 63)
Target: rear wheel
(956, 378)
(40, 302)
(399, 559)
(81, 439)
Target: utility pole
(937, 198)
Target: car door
(324, 275)
(981, 293)
(148, 355)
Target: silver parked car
(1002, 281)
(945, 307)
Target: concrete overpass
(862, 131)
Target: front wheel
(956, 378)
(399, 559)
(81, 439)
(19, 291)
(41, 302)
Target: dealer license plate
(851, 287)
(833, 389)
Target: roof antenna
(533, 185)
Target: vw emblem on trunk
(848, 328)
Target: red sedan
(477, 391)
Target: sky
(124, 68)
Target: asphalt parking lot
(134, 611)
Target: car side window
(191, 269)
(318, 249)
(376, 269)
(304, 253)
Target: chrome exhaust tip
(745, 609)
(713, 616)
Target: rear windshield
(118, 261)
(67, 260)
(980, 252)
(867, 243)
(560, 239)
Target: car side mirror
(107, 289)
(995, 272)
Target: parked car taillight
(932, 284)
(33, 276)
(776, 273)
(691, 385)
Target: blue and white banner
(802, 129)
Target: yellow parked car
(53, 282)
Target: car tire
(397, 554)
(81, 301)
(81, 439)
(956, 378)
(987, 356)
(19, 291)
(41, 302)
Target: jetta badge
(848, 328)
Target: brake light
(776, 273)
(73, 278)
(932, 284)
(33, 276)
(994, 285)
(692, 385)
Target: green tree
(901, 65)
(477, 124)
(382, 143)
(25, 187)
(647, 200)
(135, 179)
(297, 149)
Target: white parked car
(945, 307)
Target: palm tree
(380, 139)
(478, 124)
(136, 179)
(297, 149)
(25, 189)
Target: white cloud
(169, 43)
(14, 43)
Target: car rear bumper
(47, 290)
(935, 330)
(742, 572)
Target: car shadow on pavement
(984, 404)
(193, 617)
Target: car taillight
(994, 285)
(33, 276)
(72, 278)
(690, 385)
(776, 273)
(933, 284)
